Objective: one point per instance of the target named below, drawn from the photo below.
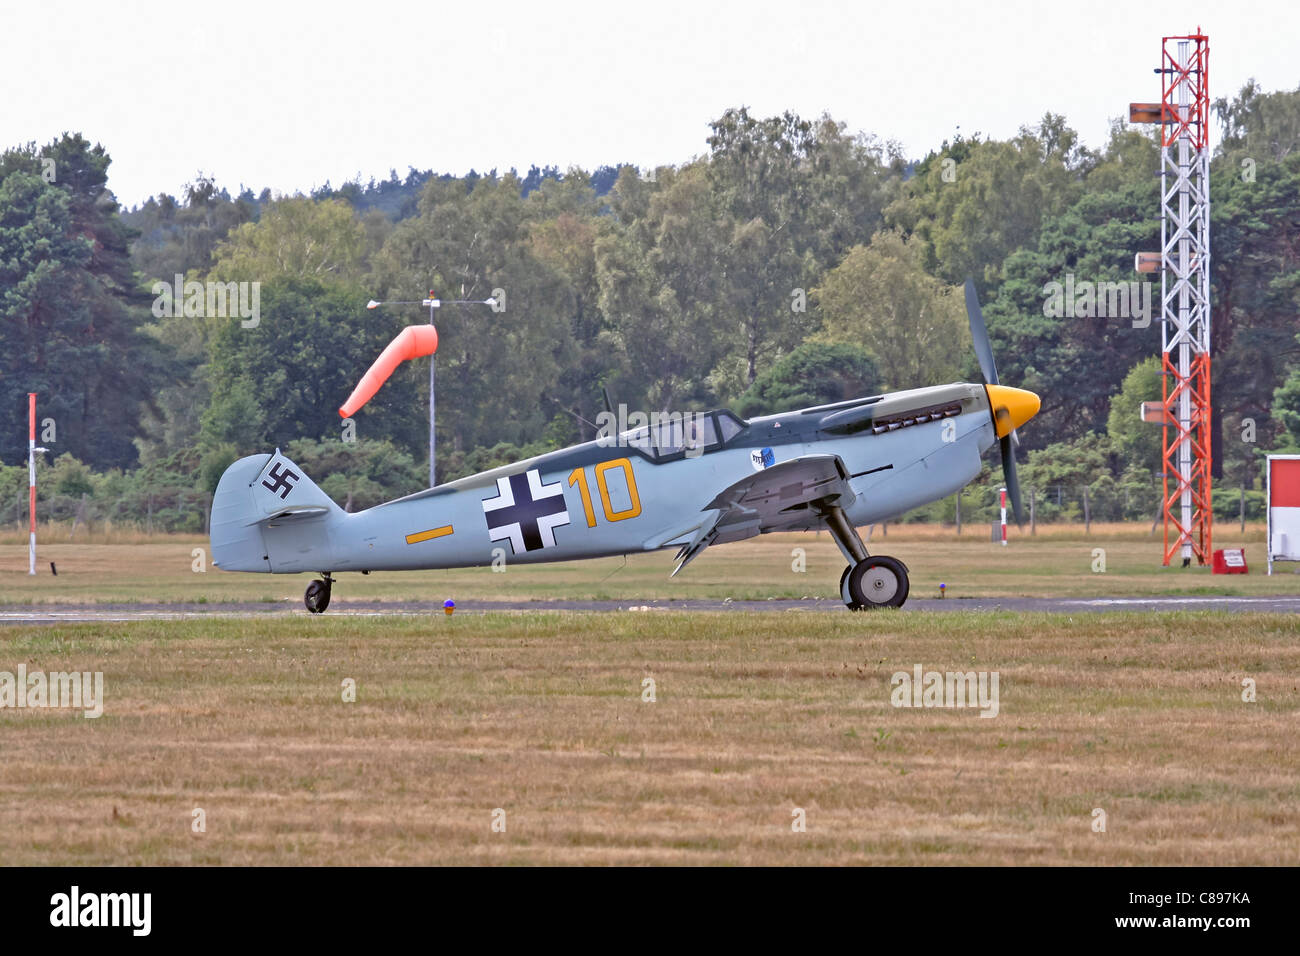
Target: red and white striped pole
(1003, 493)
(31, 477)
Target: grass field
(541, 715)
(1058, 562)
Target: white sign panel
(1283, 509)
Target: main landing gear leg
(317, 597)
(868, 582)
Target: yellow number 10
(579, 477)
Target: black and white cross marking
(526, 512)
(284, 479)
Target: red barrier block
(1230, 561)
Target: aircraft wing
(783, 497)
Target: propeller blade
(1009, 473)
(979, 334)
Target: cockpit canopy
(672, 435)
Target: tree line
(794, 262)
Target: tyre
(877, 582)
(844, 591)
(317, 597)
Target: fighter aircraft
(684, 482)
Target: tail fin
(267, 515)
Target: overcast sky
(289, 96)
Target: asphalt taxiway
(53, 614)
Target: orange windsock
(412, 342)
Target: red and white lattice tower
(1185, 294)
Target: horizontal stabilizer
(291, 514)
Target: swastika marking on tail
(284, 480)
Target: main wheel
(844, 591)
(317, 597)
(879, 581)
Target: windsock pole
(433, 410)
(31, 479)
(412, 342)
(1003, 495)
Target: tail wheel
(317, 597)
(879, 581)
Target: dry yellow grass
(101, 532)
(542, 715)
(1057, 564)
